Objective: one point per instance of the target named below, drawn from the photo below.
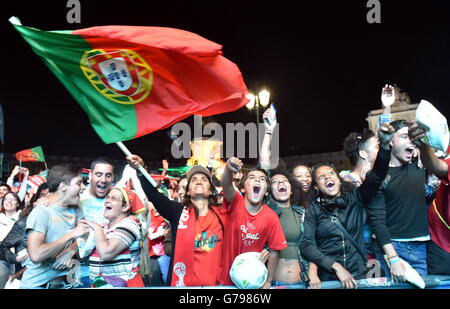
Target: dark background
(323, 63)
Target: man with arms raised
(251, 225)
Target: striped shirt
(125, 264)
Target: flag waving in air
(33, 154)
(134, 80)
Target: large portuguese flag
(33, 154)
(134, 80)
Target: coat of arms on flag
(122, 76)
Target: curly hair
(355, 142)
(298, 196)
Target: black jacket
(169, 210)
(324, 243)
(16, 239)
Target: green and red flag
(134, 80)
(177, 171)
(33, 154)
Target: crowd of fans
(309, 224)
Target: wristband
(268, 133)
(394, 261)
(394, 256)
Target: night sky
(322, 62)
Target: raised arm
(270, 123)
(10, 180)
(167, 208)
(232, 165)
(387, 99)
(376, 176)
(23, 186)
(433, 164)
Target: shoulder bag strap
(335, 219)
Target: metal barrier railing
(431, 282)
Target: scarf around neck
(183, 262)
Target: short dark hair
(398, 124)
(37, 195)
(317, 166)
(254, 169)
(101, 160)
(61, 173)
(355, 142)
(5, 185)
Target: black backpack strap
(335, 219)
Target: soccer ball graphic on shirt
(248, 272)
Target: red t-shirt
(245, 233)
(440, 233)
(208, 244)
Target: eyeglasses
(113, 198)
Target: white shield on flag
(116, 72)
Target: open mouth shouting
(101, 188)
(282, 189)
(409, 151)
(108, 208)
(330, 184)
(256, 189)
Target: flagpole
(20, 166)
(45, 163)
(141, 168)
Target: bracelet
(394, 261)
(394, 256)
(268, 133)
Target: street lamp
(262, 99)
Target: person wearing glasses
(336, 213)
(117, 245)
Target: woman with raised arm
(289, 202)
(333, 236)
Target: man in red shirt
(251, 224)
(438, 258)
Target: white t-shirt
(7, 223)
